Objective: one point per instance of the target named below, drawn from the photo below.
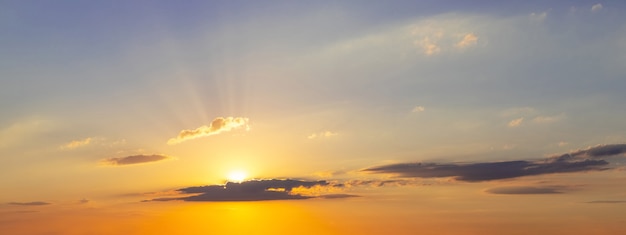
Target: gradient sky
(362, 117)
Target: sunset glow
(273, 117)
(237, 176)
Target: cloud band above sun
(135, 159)
(218, 125)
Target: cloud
(539, 16)
(29, 203)
(429, 46)
(76, 144)
(324, 134)
(576, 161)
(255, 190)
(606, 202)
(596, 7)
(515, 122)
(418, 109)
(523, 190)
(469, 39)
(135, 159)
(548, 119)
(597, 151)
(218, 125)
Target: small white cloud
(562, 143)
(323, 134)
(596, 8)
(516, 122)
(468, 40)
(418, 109)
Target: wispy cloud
(218, 125)
(37, 203)
(576, 161)
(468, 40)
(255, 190)
(429, 45)
(606, 202)
(596, 7)
(323, 134)
(418, 109)
(76, 144)
(135, 159)
(515, 122)
(539, 16)
(548, 119)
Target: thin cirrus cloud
(524, 190)
(218, 125)
(77, 144)
(516, 122)
(468, 40)
(576, 161)
(324, 134)
(29, 203)
(254, 190)
(135, 159)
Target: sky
(312, 117)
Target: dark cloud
(256, 190)
(598, 151)
(577, 161)
(607, 202)
(29, 203)
(135, 159)
(523, 190)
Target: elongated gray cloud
(576, 161)
(523, 190)
(218, 125)
(255, 190)
(135, 159)
(29, 203)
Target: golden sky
(323, 117)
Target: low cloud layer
(135, 159)
(218, 125)
(29, 203)
(576, 161)
(256, 190)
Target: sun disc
(237, 176)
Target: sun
(237, 176)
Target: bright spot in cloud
(516, 122)
(237, 176)
(418, 109)
(596, 7)
(469, 39)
